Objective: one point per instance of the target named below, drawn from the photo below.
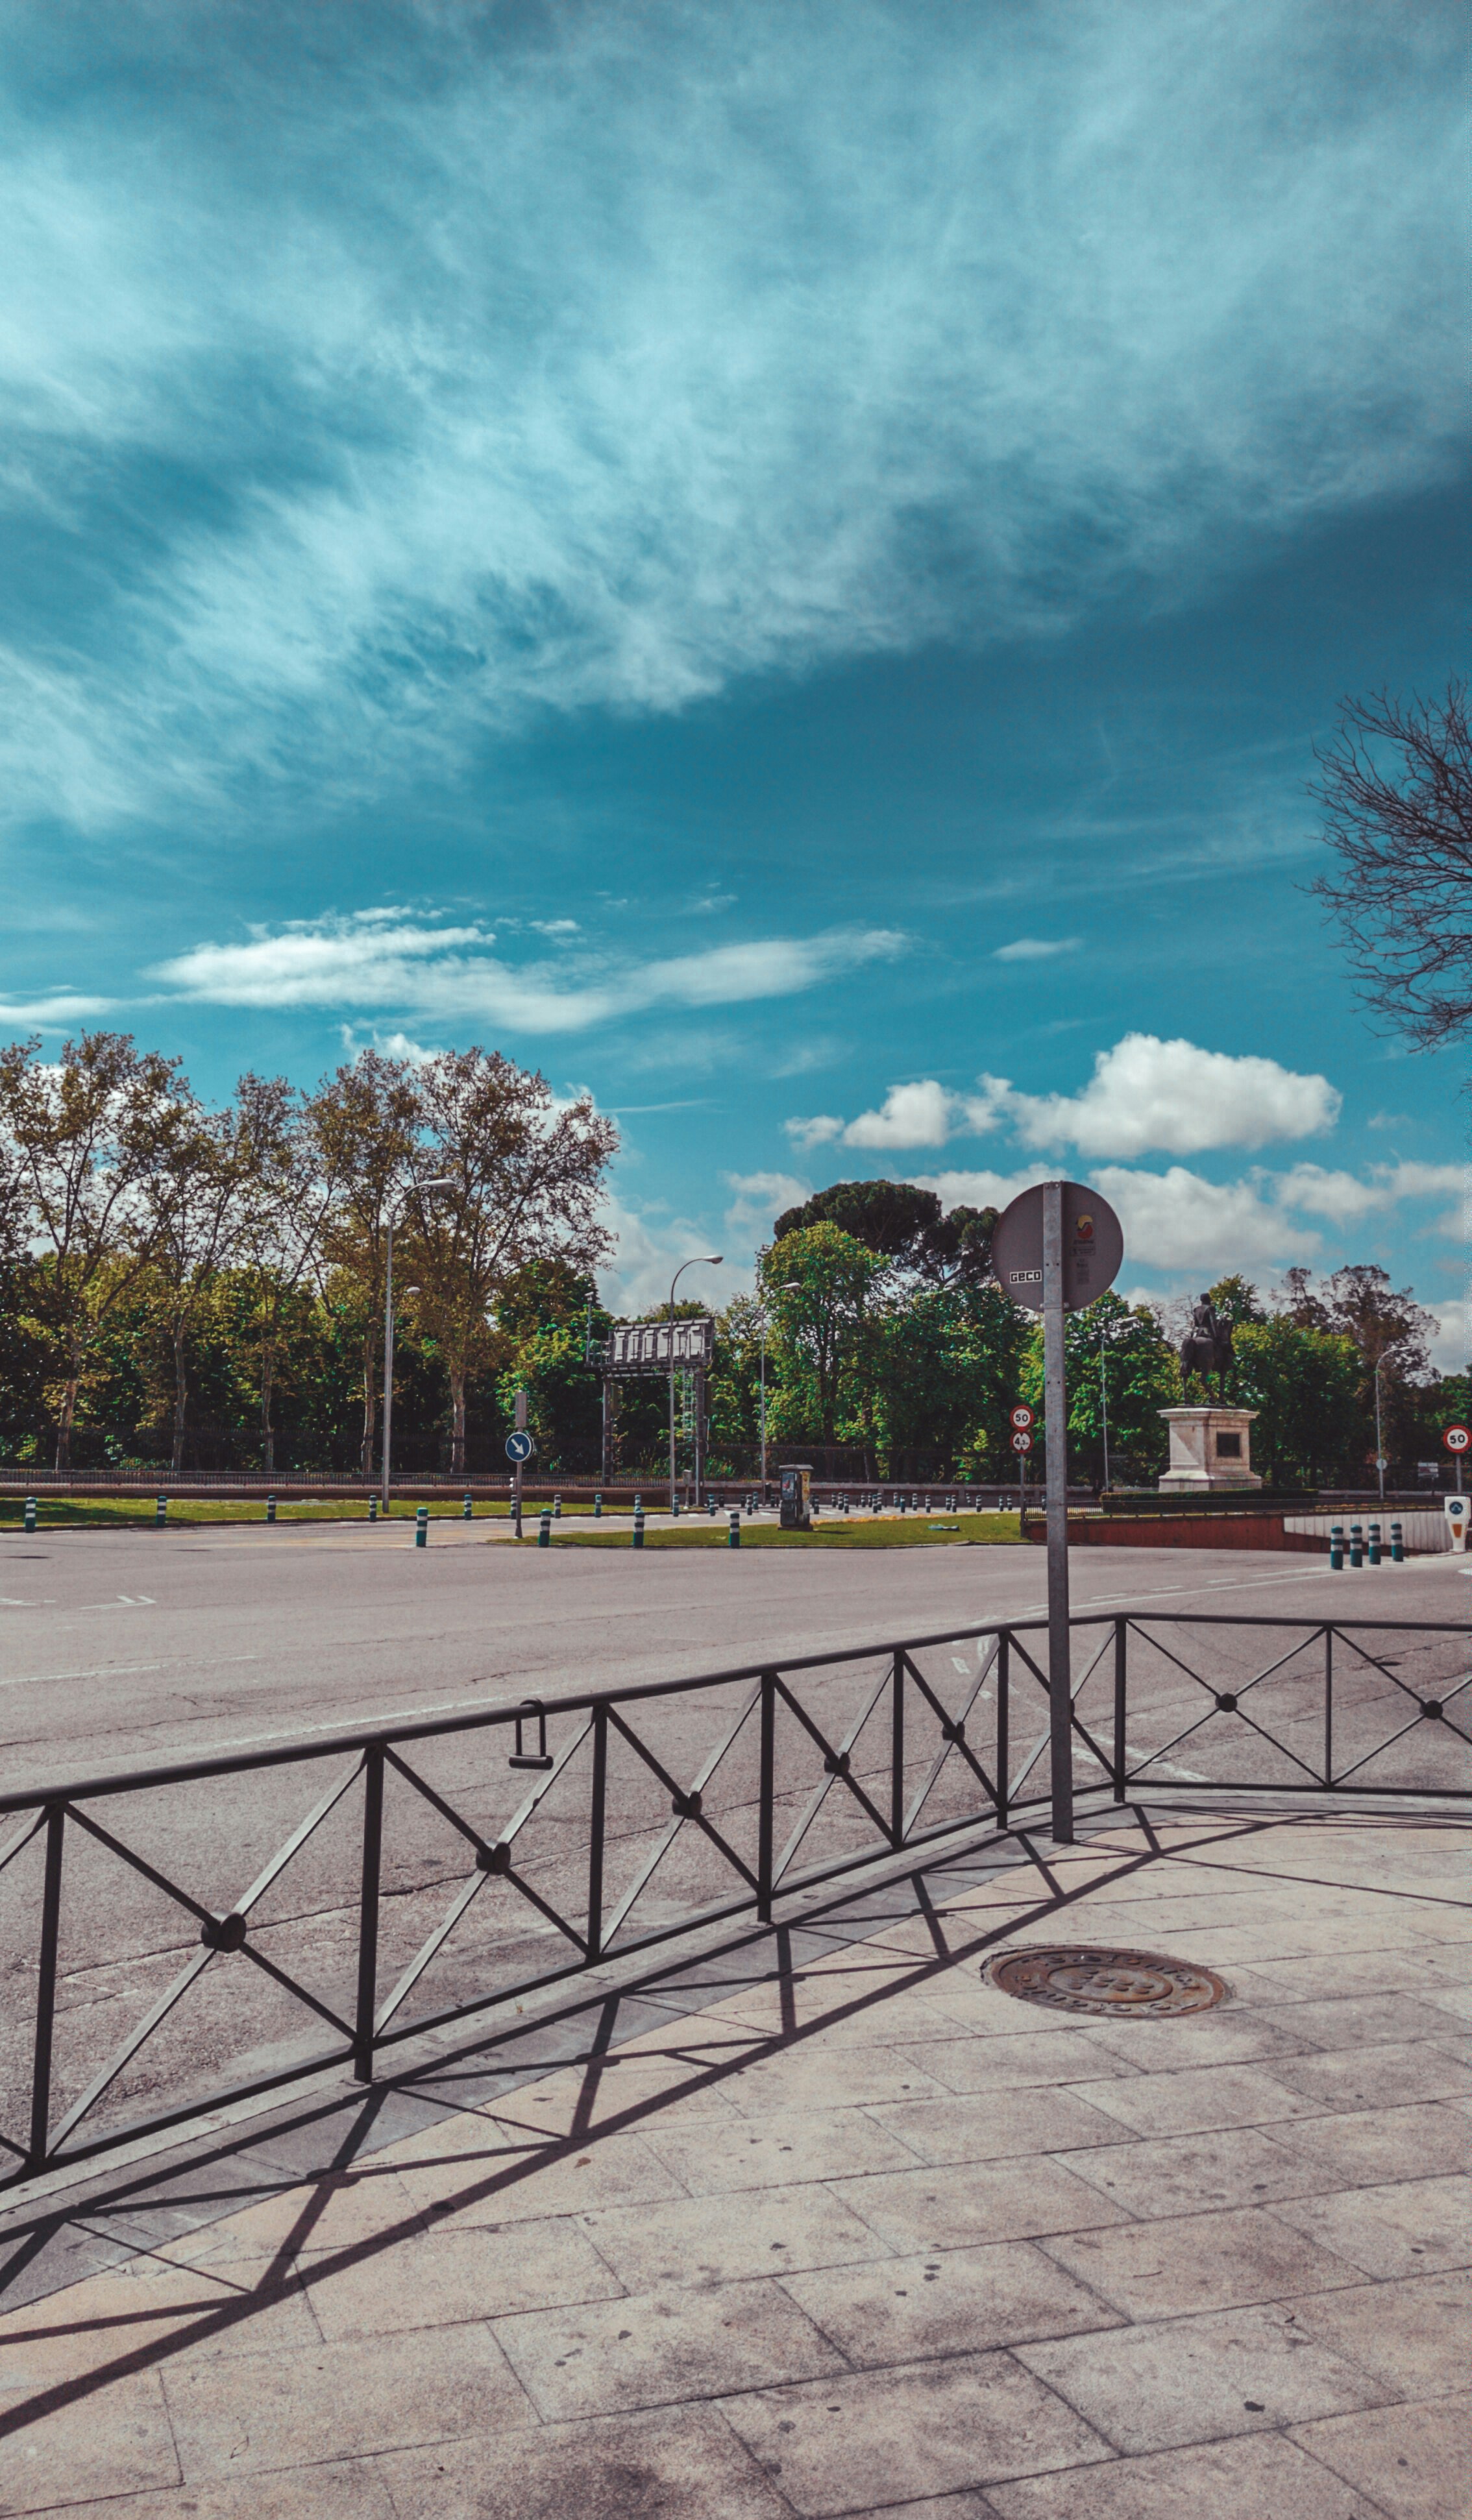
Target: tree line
(204, 1289)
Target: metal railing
(818, 1766)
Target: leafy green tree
(1305, 1385)
(1117, 1362)
(823, 1289)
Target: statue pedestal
(1210, 1449)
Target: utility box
(795, 1509)
(1457, 1510)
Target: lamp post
(1379, 1441)
(697, 1260)
(418, 1191)
(1104, 1403)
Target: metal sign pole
(1055, 1424)
(521, 1421)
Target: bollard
(1336, 1547)
(639, 1502)
(733, 1528)
(31, 1513)
(557, 1508)
(373, 1508)
(950, 1505)
(161, 1512)
(846, 1500)
(674, 1508)
(422, 1527)
(1397, 1545)
(1357, 1545)
(638, 1525)
(598, 1506)
(544, 1528)
(710, 1506)
(1374, 1551)
(900, 1500)
(270, 1509)
(469, 1515)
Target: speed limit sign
(1456, 1438)
(1022, 1441)
(1022, 1417)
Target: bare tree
(1396, 797)
(87, 1139)
(526, 1177)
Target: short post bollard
(950, 1505)
(900, 1500)
(710, 1507)
(846, 1500)
(270, 1509)
(422, 1527)
(598, 1506)
(373, 1508)
(161, 1512)
(31, 1513)
(1357, 1545)
(1336, 1547)
(468, 1512)
(1397, 1545)
(638, 1525)
(557, 1508)
(733, 1528)
(639, 1502)
(544, 1528)
(1374, 1543)
(675, 1506)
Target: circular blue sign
(520, 1447)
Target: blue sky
(784, 562)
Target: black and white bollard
(1336, 1547)
(1374, 1551)
(544, 1528)
(733, 1528)
(31, 1513)
(468, 1514)
(557, 1508)
(598, 1506)
(373, 1508)
(1357, 1545)
(638, 1525)
(422, 1527)
(1397, 1545)
(161, 1512)
(270, 1509)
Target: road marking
(122, 1670)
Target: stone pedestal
(1210, 1449)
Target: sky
(783, 563)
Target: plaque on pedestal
(1211, 1448)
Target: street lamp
(697, 1260)
(789, 1287)
(1379, 1439)
(419, 1190)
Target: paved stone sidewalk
(863, 2235)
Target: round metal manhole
(1088, 1977)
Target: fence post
(372, 1859)
(1328, 1707)
(1120, 1652)
(764, 1789)
(1004, 1745)
(596, 1805)
(896, 1753)
(51, 1920)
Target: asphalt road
(121, 1651)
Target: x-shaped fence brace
(1000, 1796)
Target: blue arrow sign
(520, 1447)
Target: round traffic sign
(1094, 1247)
(1022, 1442)
(520, 1446)
(1021, 1415)
(1456, 1438)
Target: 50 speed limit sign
(1021, 1416)
(1456, 1438)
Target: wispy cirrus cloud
(469, 364)
(387, 961)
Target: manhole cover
(1084, 1977)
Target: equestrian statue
(1207, 1347)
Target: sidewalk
(862, 2234)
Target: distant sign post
(1457, 1440)
(1056, 1248)
(519, 1448)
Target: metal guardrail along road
(179, 1962)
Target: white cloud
(53, 1009)
(1145, 1093)
(1177, 1219)
(603, 363)
(760, 1197)
(383, 959)
(650, 1248)
(982, 1189)
(1036, 949)
(1343, 1196)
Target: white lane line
(122, 1670)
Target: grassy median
(833, 1531)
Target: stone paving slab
(830, 2226)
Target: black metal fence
(453, 1866)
